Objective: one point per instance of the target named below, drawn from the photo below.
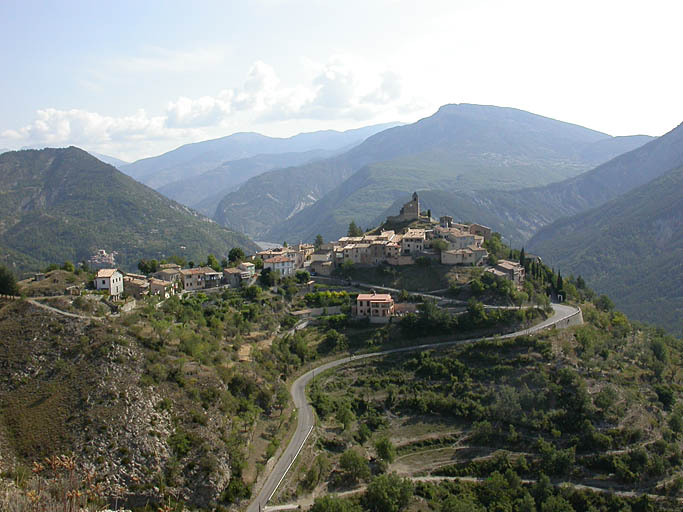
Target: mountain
(459, 148)
(630, 248)
(205, 191)
(111, 160)
(194, 159)
(63, 204)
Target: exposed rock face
(68, 386)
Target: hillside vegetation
(587, 418)
(630, 248)
(64, 204)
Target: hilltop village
(443, 241)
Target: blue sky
(134, 79)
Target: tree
(522, 258)
(334, 504)
(604, 303)
(302, 277)
(388, 493)
(345, 415)
(440, 245)
(212, 262)
(224, 262)
(385, 450)
(236, 254)
(68, 266)
(354, 466)
(318, 241)
(8, 283)
(354, 230)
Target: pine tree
(354, 230)
(522, 258)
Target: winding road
(306, 418)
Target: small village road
(306, 417)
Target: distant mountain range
(205, 191)
(630, 248)
(63, 204)
(194, 159)
(461, 148)
(518, 214)
(111, 160)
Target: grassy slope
(63, 204)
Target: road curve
(306, 418)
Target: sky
(133, 79)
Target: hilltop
(63, 204)
(459, 148)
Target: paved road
(306, 418)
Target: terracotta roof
(232, 270)
(159, 282)
(375, 297)
(138, 282)
(278, 259)
(106, 272)
(197, 270)
(511, 265)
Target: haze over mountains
(630, 248)
(460, 148)
(193, 159)
(63, 204)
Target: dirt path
(60, 312)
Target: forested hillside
(64, 204)
(630, 248)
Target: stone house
(137, 286)
(413, 241)
(171, 275)
(110, 279)
(512, 270)
(232, 276)
(199, 278)
(161, 288)
(478, 229)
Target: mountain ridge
(461, 148)
(63, 204)
(195, 158)
(630, 248)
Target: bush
(388, 493)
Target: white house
(110, 279)
(283, 264)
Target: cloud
(204, 111)
(338, 89)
